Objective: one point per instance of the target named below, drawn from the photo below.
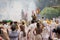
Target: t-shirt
(13, 34)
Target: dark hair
(4, 22)
(57, 30)
(42, 17)
(23, 23)
(15, 22)
(38, 25)
(11, 23)
(1, 22)
(13, 27)
(54, 30)
(32, 21)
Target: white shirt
(32, 26)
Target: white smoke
(11, 9)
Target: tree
(50, 12)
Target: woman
(37, 32)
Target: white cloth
(38, 37)
(21, 36)
(45, 23)
(46, 33)
(53, 25)
(32, 26)
(6, 26)
(56, 39)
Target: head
(57, 21)
(11, 23)
(23, 22)
(13, 27)
(15, 22)
(0, 22)
(42, 17)
(32, 21)
(57, 30)
(34, 17)
(4, 22)
(38, 25)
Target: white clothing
(13, 34)
(32, 26)
(21, 36)
(45, 23)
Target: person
(3, 33)
(13, 32)
(31, 27)
(22, 33)
(46, 32)
(37, 32)
(34, 17)
(24, 24)
(57, 22)
(56, 33)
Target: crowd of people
(43, 29)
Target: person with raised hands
(3, 33)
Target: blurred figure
(34, 17)
(57, 21)
(23, 35)
(31, 27)
(3, 33)
(24, 24)
(46, 30)
(37, 32)
(56, 33)
(13, 32)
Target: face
(57, 21)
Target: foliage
(50, 12)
